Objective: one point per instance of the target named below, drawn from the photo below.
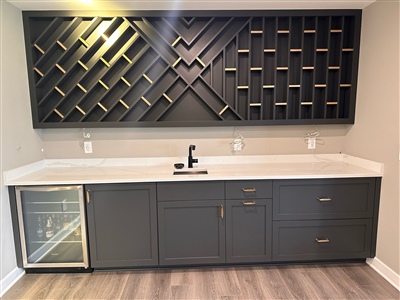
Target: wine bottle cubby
(189, 68)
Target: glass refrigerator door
(52, 226)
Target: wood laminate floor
(330, 281)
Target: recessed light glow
(113, 38)
(87, 1)
(101, 30)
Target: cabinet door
(248, 230)
(122, 225)
(191, 232)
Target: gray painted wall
(140, 142)
(20, 144)
(375, 135)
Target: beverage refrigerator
(52, 226)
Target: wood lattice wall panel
(192, 69)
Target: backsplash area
(210, 141)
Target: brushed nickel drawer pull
(325, 240)
(88, 196)
(249, 190)
(324, 199)
(249, 202)
(221, 211)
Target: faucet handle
(191, 160)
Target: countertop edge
(13, 174)
(17, 176)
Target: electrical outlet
(312, 143)
(87, 146)
(237, 144)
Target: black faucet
(191, 160)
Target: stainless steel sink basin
(190, 171)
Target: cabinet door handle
(221, 211)
(87, 196)
(249, 202)
(324, 199)
(325, 240)
(249, 190)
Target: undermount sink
(190, 171)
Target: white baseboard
(391, 276)
(7, 282)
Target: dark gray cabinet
(248, 189)
(194, 218)
(191, 223)
(322, 239)
(195, 68)
(248, 220)
(191, 232)
(122, 223)
(325, 218)
(190, 190)
(236, 221)
(248, 230)
(324, 198)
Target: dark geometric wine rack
(203, 68)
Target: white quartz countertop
(91, 171)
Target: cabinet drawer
(328, 239)
(251, 189)
(190, 190)
(323, 199)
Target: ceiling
(187, 4)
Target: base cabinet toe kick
(191, 223)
